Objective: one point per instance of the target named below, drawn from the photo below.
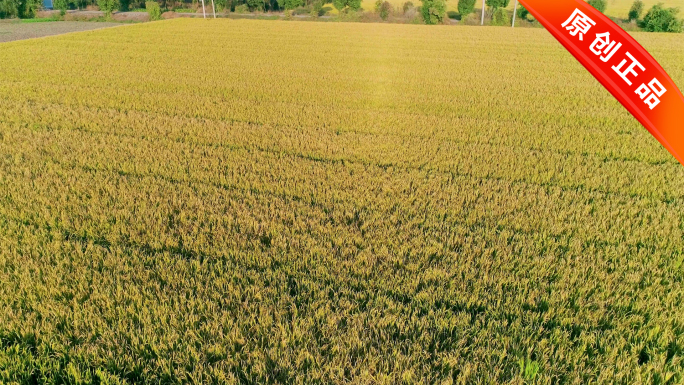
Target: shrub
(600, 5)
(659, 19)
(522, 12)
(316, 8)
(500, 17)
(636, 10)
(242, 8)
(302, 10)
(108, 6)
(413, 16)
(62, 6)
(407, 5)
(472, 19)
(495, 4)
(343, 5)
(385, 10)
(153, 10)
(434, 11)
(466, 7)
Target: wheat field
(243, 201)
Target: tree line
(657, 19)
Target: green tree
(316, 8)
(289, 4)
(500, 17)
(385, 10)
(407, 5)
(434, 11)
(466, 7)
(153, 10)
(522, 12)
(659, 19)
(220, 5)
(600, 5)
(494, 4)
(62, 6)
(23, 9)
(343, 5)
(636, 10)
(255, 5)
(9, 8)
(28, 8)
(108, 6)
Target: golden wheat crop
(240, 201)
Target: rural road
(10, 31)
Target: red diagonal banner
(621, 65)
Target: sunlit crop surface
(250, 201)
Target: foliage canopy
(636, 10)
(500, 17)
(660, 19)
(433, 11)
(495, 4)
(108, 6)
(153, 10)
(24, 9)
(383, 9)
(61, 5)
(522, 12)
(407, 5)
(343, 5)
(466, 7)
(600, 5)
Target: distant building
(47, 4)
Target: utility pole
(213, 6)
(483, 10)
(204, 11)
(515, 11)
